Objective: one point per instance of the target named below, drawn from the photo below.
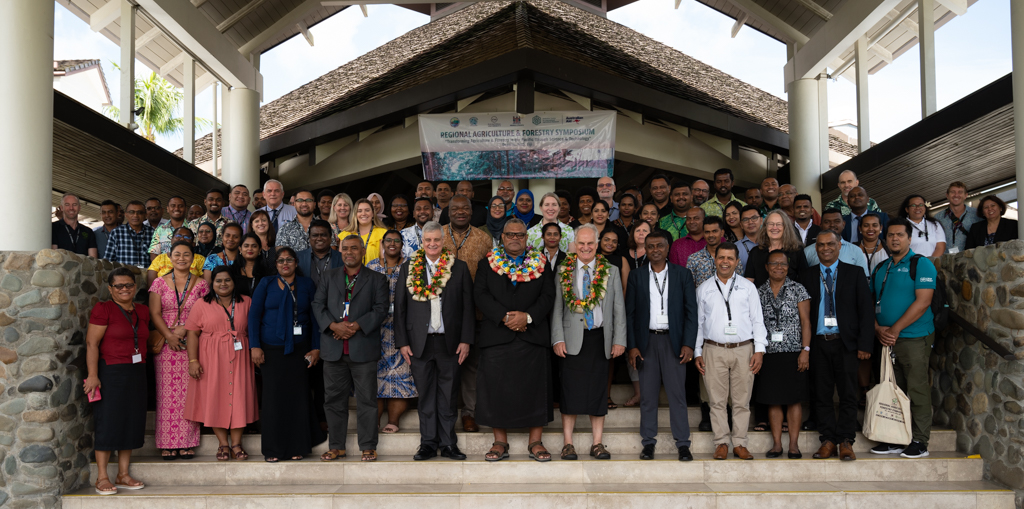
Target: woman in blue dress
(395, 385)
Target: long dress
(394, 376)
(225, 394)
(173, 430)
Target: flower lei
(597, 285)
(532, 267)
(417, 280)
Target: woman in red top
(116, 361)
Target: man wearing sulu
(434, 321)
(588, 328)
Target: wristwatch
(529, 319)
(807, 349)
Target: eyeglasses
(305, 200)
(123, 286)
(749, 219)
(391, 241)
(605, 185)
(503, 188)
(515, 235)
(179, 236)
(285, 261)
(135, 212)
(916, 206)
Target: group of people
(507, 313)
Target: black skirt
(584, 388)
(513, 386)
(779, 383)
(121, 412)
(287, 418)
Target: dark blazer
(854, 305)
(305, 261)
(883, 218)
(681, 304)
(1006, 230)
(369, 308)
(412, 317)
(812, 234)
(558, 259)
(495, 295)
(275, 327)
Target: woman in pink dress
(222, 388)
(170, 299)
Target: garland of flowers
(597, 285)
(417, 280)
(532, 267)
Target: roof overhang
(971, 140)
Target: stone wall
(975, 391)
(45, 420)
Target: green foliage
(161, 108)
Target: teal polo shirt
(899, 293)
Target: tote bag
(887, 410)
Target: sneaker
(886, 449)
(915, 450)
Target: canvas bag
(887, 411)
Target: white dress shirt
(658, 297)
(713, 316)
(802, 231)
(598, 312)
(925, 235)
(431, 267)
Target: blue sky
(971, 51)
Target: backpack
(940, 306)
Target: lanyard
(231, 316)
(921, 232)
(71, 234)
(224, 257)
(458, 245)
(881, 291)
(295, 301)
(180, 299)
(675, 222)
(831, 292)
(958, 222)
(728, 308)
(134, 326)
(350, 285)
(320, 267)
(638, 261)
(235, 214)
(661, 285)
(777, 309)
(878, 245)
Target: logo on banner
(536, 120)
(517, 120)
(573, 120)
(494, 119)
(472, 120)
(454, 122)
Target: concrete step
(795, 495)
(621, 442)
(519, 469)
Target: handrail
(985, 339)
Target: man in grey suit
(434, 322)
(587, 337)
(350, 305)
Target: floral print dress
(394, 376)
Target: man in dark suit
(314, 264)
(435, 328)
(858, 207)
(661, 332)
(842, 319)
(349, 306)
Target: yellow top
(370, 240)
(162, 265)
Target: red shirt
(118, 344)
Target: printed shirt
(161, 242)
(162, 265)
(673, 224)
(412, 240)
(956, 238)
(703, 266)
(713, 207)
(535, 239)
(219, 224)
(787, 319)
(844, 209)
(293, 235)
(472, 250)
(125, 245)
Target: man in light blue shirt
(826, 309)
(750, 222)
(832, 219)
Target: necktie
(273, 217)
(830, 309)
(588, 315)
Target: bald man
(847, 181)
(606, 190)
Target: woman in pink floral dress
(170, 299)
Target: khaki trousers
(728, 377)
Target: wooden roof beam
(761, 14)
(105, 15)
(231, 20)
(740, 22)
(818, 10)
(294, 16)
(850, 22)
(958, 7)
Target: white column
(805, 139)
(213, 137)
(926, 41)
(243, 140)
(127, 102)
(189, 115)
(539, 187)
(1017, 43)
(26, 137)
(225, 131)
(863, 113)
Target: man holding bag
(902, 287)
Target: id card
(344, 315)
(777, 337)
(391, 309)
(878, 309)
(831, 321)
(297, 330)
(238, 346)
(953, 250)
(137, 358)
(730, 329)
(662, 319)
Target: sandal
(390, 428)
(125, 481)
(271, 459)
(611, 404)
(785, 427)
(598, 451)
(369, 455)
(542, 455)
(169, 454)
(761, 426)
(241, 455)
(568, 452)
(499, 454)
(634, 401)
(187, 454)
(296, 458)
(105, 487)
(332, 455)
(223, 453)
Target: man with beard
(238, 207)
(412, 237)
(723, 194)
(214, 202)
(701, 192)
(67, 233)
(660, 194)
(161, 241)
(675, 222)
(295, 233)
(769, 196)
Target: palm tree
(161, 108)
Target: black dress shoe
(773, 454)
(705, 418)
(425, 453)
(452, 452)
(684, 454)
(795, 455)
(647, 453)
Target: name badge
(953, 250)
(830, 321)
(776, 337)
(730, 330)
(238, 346)
(345, 313)
(391, 309)
(297, 330)
(878, 309)
(137, 358)
(662, 319)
